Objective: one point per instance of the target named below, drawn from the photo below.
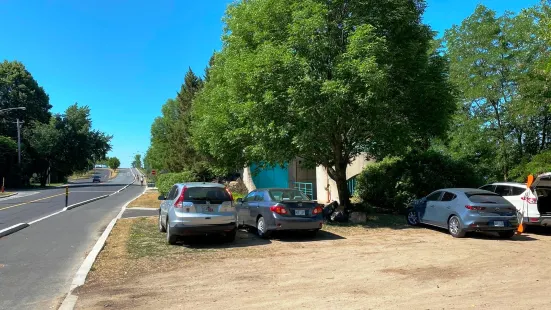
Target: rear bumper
(537, 221)
(282, 223)
(188, 230)
(486, 224)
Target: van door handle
(449, 207)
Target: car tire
(170, 238)
(455, 228)
(161, 227)
(412, 218)
(261, 228)
(506, 234)
(230, 236)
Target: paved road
(34, 204)
(38, 263)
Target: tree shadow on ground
(299, 236)
(483, 235)
(242, 239)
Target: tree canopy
(325, 81)
(497, 68)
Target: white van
(534, 203)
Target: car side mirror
(240, 200)
(162, 197)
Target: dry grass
(383, 264)
(113, 173)
(6, 194)
(147, 200)
(80, 176)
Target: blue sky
(124, 59)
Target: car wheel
(170, 238)
(230, 236)
(412, 218)
(506, 234)
(454, 226)
(161, 227)
(261, 228)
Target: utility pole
(18, 140)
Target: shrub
(395, 182)
(237, 195)
(165, 181)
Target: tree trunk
(338, 174)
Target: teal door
(271, 177)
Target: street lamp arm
(9, 109)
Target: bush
(165, 181)
(237, 195)
(395, 182)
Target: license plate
(207, 209)
(499, 224)
(300, 212)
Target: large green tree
(171, 146)
(323, 80)
(66, 144)
(114, 163)
(496, 66)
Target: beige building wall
(327, 188)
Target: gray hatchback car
(463, 210)
(193, 209)
(275, 209)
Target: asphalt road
(38, 263)
(34, 204)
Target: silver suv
(194, 209)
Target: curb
(9, 195)
(78, 204)
(80, 277)
(12, 229)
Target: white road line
(70, 300)
(153, 209)
(45, 217)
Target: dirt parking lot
(393, 267)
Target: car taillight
(317, 210)
(278, 209)
(530, 200)
(180, 201)
(229, 193)
(475, 208)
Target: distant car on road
(275, 209)
(97, 179)
(463, 210)
(192, 209)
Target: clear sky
(125, 58)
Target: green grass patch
(146, 241)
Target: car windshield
(212, 194)
(287, 194)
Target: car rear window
(486, 198)
(211, 194)
(287, 194)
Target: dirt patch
(348, 267)
(148, 200)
